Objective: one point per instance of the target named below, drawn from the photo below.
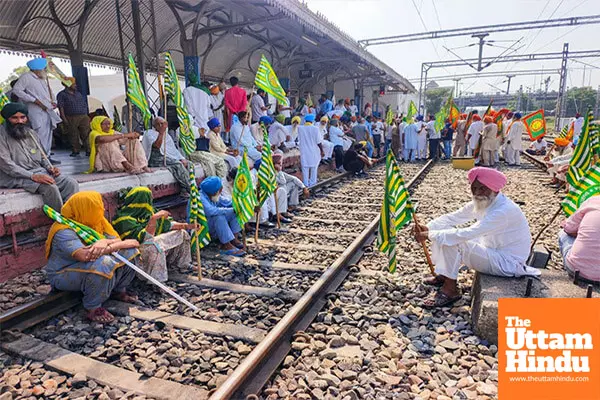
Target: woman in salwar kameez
(76, 267)
(106, 154)
(163, 243)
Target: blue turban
(211, 185)
(419, 117)
(37, 64)
(575, 141)
(257, 164)
(265, 119)
(213, 123)
(309, 118)
(518, 115)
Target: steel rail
(251, 375)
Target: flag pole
(277, 209)
(257, 217)
(198, 254)
(161, 80)
(424, 246)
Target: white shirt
(197, 103)
(336, 136)
(378, 128)
(150, 137)
(257, 103)
(433, 133)
(577, 127)
(286, 113)
(309, 139)
(539, 145)
(322, 130)
(474, 130)
(515, 135)
(502, 228)
(353, 109)
(277, 134)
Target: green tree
(579, 99)
(435, 98)
(15, 74)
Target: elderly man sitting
(222, 221)
(290, 183)
(23, 163)
(496, 244)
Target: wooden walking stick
(277, 210)
(198, 254)
(425, 249)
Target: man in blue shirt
(222, 221)
(326, 105)
(73, 109)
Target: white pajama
(282, 201)
(309, 176)
(327, 149)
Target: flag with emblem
(582, 156)
(396, 210)
(135, 91)
(243, 196)
(186, 135)
(4, 100)
(586, 187)
(535, 123)
(412, 111)
(266, 171)
(267, 80)
(196, 213)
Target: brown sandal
(440, 299)
(100, 315)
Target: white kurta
(292, 132)
(197, 103)
(577, 127)
(309, 139)
(421, 140)
(515, 135)
(28, 89)
(475, 131)
(410, 137)
(277, 134)
(215, 101)
(327, 145)
(497, 243)
(150, 137)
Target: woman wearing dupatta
(162, 242)
(106, 154)
(76, 267)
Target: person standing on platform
(473, 134)
(434, 139)
(411, 141)
(421, 138)
(325, 105)
(217, 103)
(235, 101)
(311, 150)
(33, 89)
(259, 108)
(197, 102)
(73, 110)
(447, 136)
(460, 145)
(513, 141)
(23, 166)
(489, 142)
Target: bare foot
(100, 315)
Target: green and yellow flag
(4, 100)
(186, 135)
(454, 113)
(412, 111)
(135, 91)
(267, 80)
(389, 116)
(196, 213)
(117, 124)
(588, 186)
(396, 210)
(266, 171)
(243, 196)
(535, 123)
(582, 156)
(87, 235)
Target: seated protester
(22, 164)
(268, 206)
(558, 166)
(222, 221)
(293, 132)
(241, 137)
(578, 241)
(278, 134)
(212, 165)
(356, 159)
(336, 137)
(162, 242)
(327, 145)
(291, 184)
(496, 244)
(218, 147)
(538, 147)
(75, 267)
(154, 145)
(105, 149)
(560, 147)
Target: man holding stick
(498, 243)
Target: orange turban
(488, 119)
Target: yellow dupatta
(96, 126)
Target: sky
(364, 19)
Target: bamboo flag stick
(130, 128)
(198, 254)
(161, 80)
(425, 250)
(257, 218)
(277, 209)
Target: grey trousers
(293, 194)
(55, 195)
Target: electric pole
(508, 86)
(480, 36)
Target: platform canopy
(229, 36)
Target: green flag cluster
(186, 135)
(117, 124)
(135, 91)
(243, 196)
(396, 210)
(266, 172)
(267, 80)
(87, 235)
(582, 156)
(3, 101)
(196, 213)
(586, 187)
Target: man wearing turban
(489, 141)
(474, 133)
(222, 221)
(22, 163)
(496, 244)
(32, 89)
(512, 152)
(311, 150)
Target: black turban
(11, 109)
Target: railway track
(250, 308)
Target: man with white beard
(496, 244)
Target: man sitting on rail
(292, 185)
(496, 244)
(23, 163)
(355, 159)
(538, 147)
(222, 221)
(559, 165)
(579, 239)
